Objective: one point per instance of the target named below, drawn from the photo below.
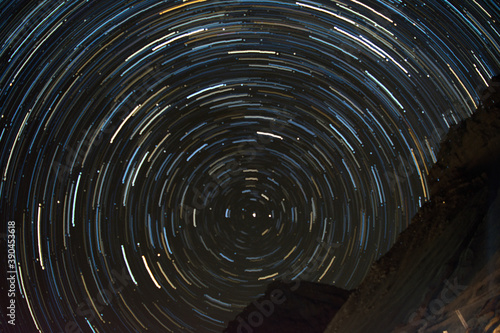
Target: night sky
(164, 161)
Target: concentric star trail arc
(165, 161)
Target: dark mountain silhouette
(293, 307)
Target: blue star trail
(165, 161)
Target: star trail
(164, 161)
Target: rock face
(443, 272)
(295, 307)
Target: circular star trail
(164, 161)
